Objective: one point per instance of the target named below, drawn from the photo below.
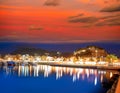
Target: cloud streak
(89, 21)
(52, 2)
(79, 15)
(33, 27)
(114, 8)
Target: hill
(91, 51)
(33, 51)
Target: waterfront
(52, 79)
(59, 46)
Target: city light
(73, 60)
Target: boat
(11, 63)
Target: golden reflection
(76, 73)
(101, 78)
(111, 74)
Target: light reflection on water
(75, 73)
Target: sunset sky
(59, 21)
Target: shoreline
(72, 65)
(81, 66)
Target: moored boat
(11, 63)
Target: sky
(59, 21)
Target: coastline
(81, 66)
(72, 65)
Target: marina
(34, 78)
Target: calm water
(50, 79)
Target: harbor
(95, 77)
(59, 46)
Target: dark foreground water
(48, 79)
